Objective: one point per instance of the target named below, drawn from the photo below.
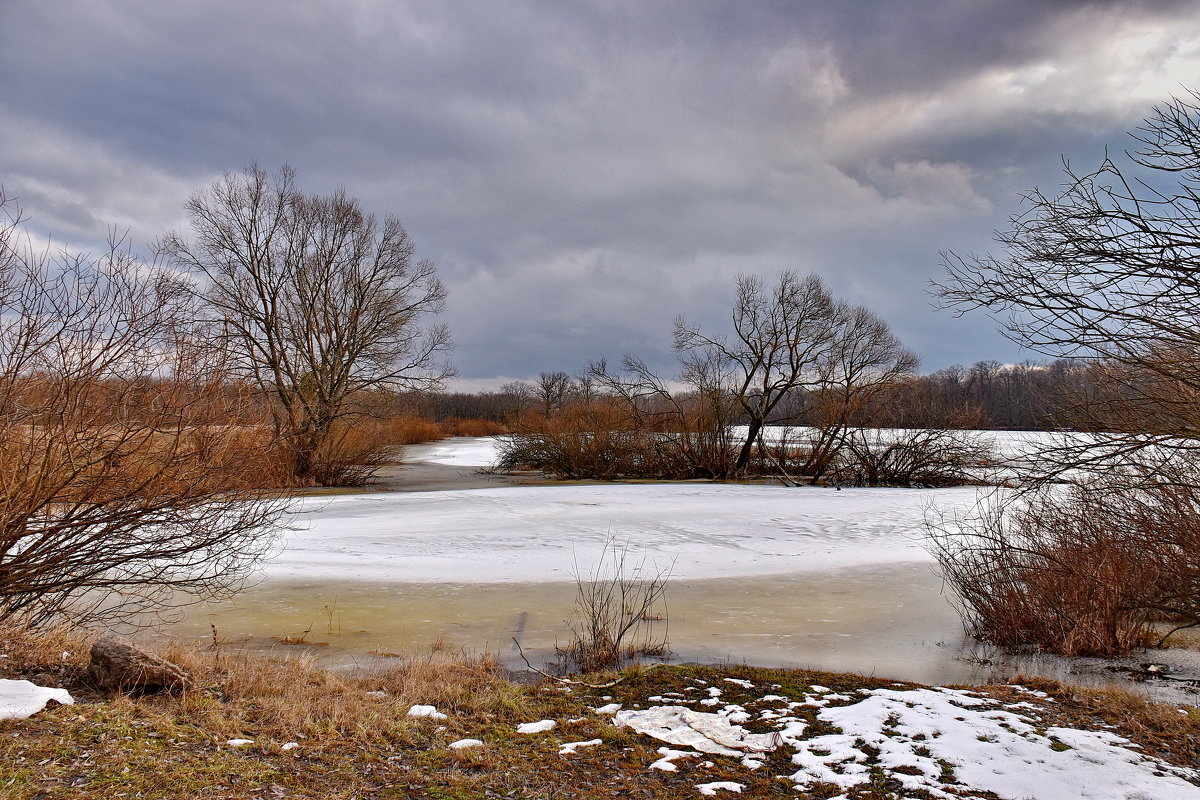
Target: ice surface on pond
(542, 533)
(478, 451)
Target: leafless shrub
(1080, 569)
(122, 446)
(917, 457)
(592, 440)
(614, 609)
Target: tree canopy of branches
(318, 300)
(795, 352)
(120, 452)
(790, 337)
(1106, 271)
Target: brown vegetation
(123, 452)
(1093, 569)
(1106, 272)
(353, 737)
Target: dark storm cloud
(583, 172)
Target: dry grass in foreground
(354, 739)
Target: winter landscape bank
(274, 725)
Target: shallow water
(891, 622)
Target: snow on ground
(536, 727)
(547, 533)
(22, 699)
(940, 741)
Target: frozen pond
(547, 533)
(766, 575)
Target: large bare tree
(781, 334)
(320, 301)
(122, 469)
(1106, 271)
(864, 359)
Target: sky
(583, 172)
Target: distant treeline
(987, 395)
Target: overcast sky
(582, 172)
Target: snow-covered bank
(542, 533)
(937, 741)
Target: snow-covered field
(541, 533)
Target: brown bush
(1076, 570)
(457, 426)
(614, 608)
(917, 457)
(593, 440)
(403, 430)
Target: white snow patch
(239, 742)
(708, 733)
(462, 744)
(426, 711)
(710, 789)
(569, 748)
(669, 756)
(23, 699)
(988, 748)
(536, 727)
(611, 708)
(290, 746)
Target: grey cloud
(584, 172)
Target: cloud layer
(583, 172)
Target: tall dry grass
(274, 698)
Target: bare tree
(553, 389)
(864, 359)
(781, 335)
(516, 396)
(122, 465)
(1107, 271)
(320, 301)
